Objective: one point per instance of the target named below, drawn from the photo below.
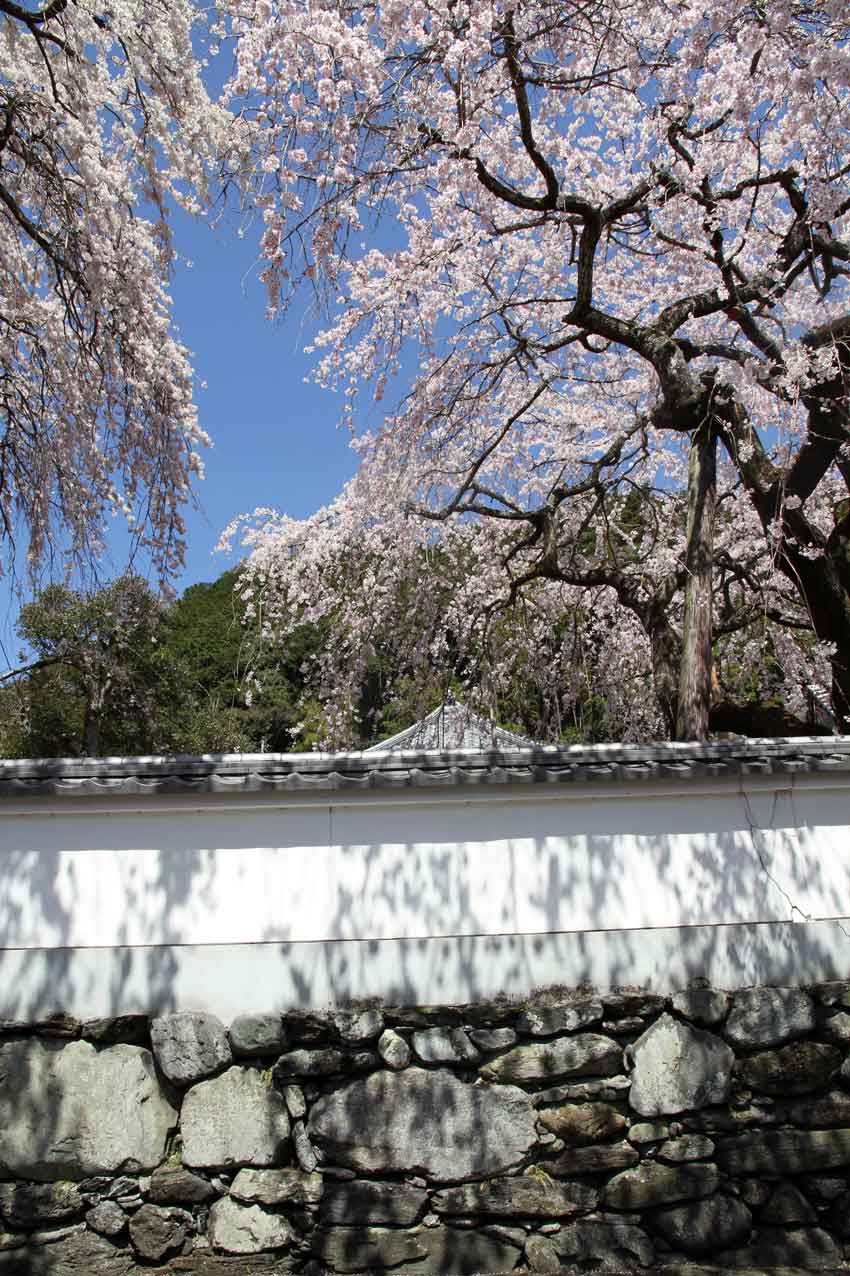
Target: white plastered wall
(234, 903)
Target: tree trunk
(91, 722)
(823, 585)
(666, 661)
(695, 670)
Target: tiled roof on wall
(386, 769)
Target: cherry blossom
(606, 238)
(105, 122)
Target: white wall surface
(447, 892)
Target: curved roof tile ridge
(419, 768)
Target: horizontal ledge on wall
(65, 806)
(232, 979)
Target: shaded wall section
(230, 902)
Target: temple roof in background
(451, 727)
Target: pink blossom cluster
(561, 240)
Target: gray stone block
(296, 1104)
(189, 1046)
(393, 1049)
(430, 1123)
(806, 1248)
(775, 1153)
(30, 1205)
(70, 1111)
(247, 1229)
(545, 1021)
(797, 1068)
(701, 1228)
(579, 1124)
(81, 1254)
(444, 1045)
(602, 1158)
(156, 1232)
(355, 1026)
(651, 1184)
(839, 1215)
(678, 1068)
(257, 1035)
(788, 1205)
(277, 1187)
(492, 1038)
(369, 1202)
(837, 1028)
(304, 1151)
(366, 1249)
(826, 1110)
(687, 1147)
(587, 1054)
(177, 1186)
(607, 1245)
(325, 1062)
(648, 1132)
(705, 1006)
(769, 1016)
(521, 1196)
(235, 1119)
(107, 1218)
(451, 1249)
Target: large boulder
(678, 1068)
(775, 1153)
(176, 1186)
(522, 1196)
(585, 1055)
(579, 1124)
(365, 1249)
(651, 1184)
(246, 1229)
(706, 1006)
(606, 1246)
(701, 1228)
(804, 1248)
(82, 1254)
(156, 1232)
(600, 1158)
(797, 1068)
(368, 1202)
(277, 1187)
(236, 1119)
(423, 1122)
(68, 1111)
(769, 1016)
(257, 1035)
(189, 1046)
(31, 1205)
(425, 1251)
(545, 1021)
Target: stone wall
(623, 1130)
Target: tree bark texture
(695, 670)
(666, 662)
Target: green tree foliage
(99, 671)
(118, 671)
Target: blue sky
(276, 441)
(276, 438)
